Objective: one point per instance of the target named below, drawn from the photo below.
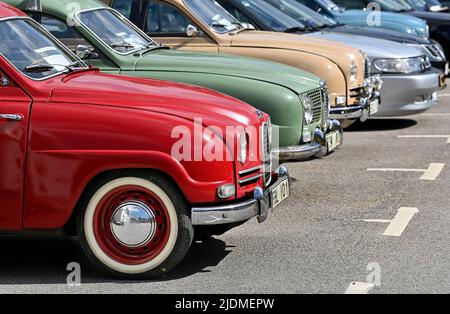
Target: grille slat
(266, 154)
(317, 98)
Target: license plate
(333, 140)
(280, 192)
(374, 106)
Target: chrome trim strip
(244, 181)
(250, 170)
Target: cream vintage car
(206, 26)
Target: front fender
(63, 157)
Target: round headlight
(309, 109)
(243, 148)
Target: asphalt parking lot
(386, 230)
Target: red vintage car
(93, 154)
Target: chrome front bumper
(317, 148)
(409, 94)
(361, 111)
(259, 206)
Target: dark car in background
(439, 23)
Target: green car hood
(203, 63)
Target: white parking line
(426, 136)
(444, 95)
(359, 288)
(400, 221)
(436, 114)
(433, 171)
(430, 174)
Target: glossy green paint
(271, 87)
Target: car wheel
(135, 227)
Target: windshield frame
(55, 40)
(238, 26)
(123, 19)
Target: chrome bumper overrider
(318, 147)
(259, 206)
(372, 87)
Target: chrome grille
(435, 52)
(317, 98)
(266, 153)
(367, 66)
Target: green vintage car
(296, 100)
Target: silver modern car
(409, 82)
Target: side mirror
(83, 52)
(192, 31)
(248, 26)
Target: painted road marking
(399, 223)
(430, 174)
(426, 136)
(359, 288)
(436, 114)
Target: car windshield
(115, 31)
(214, 15)
(271, 16)
(26, 46)
(302, 13)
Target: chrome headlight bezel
(308, 108)
(353, 72)
(243, 148)
(403, 65)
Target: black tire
(184, 230)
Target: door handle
(12, 117)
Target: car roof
(60, 8)
(7, 10)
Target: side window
(68, 35)
(164, 18)
(125, 7)
(241, 17)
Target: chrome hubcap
(133, 224)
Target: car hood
(185, 101)
(340, 54)
(181, 61)
(386, 17)
(375, 48)
(382, 33)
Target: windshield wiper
(122, 44)
(295, 29)
(151, 48)
(39, 68)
